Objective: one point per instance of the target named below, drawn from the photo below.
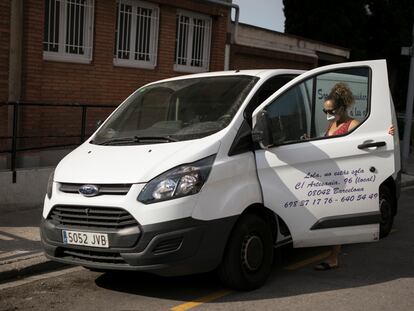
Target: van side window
(297, 115)
(291, 113)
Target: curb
(31, 267)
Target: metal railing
(17, 106)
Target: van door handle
(370, 145)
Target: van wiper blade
(118, 141)
(137, 139)
(157, 138)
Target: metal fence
(17, 108)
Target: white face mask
(330, 117)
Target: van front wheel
(248, 258)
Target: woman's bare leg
(332, 260)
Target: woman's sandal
(323, 266)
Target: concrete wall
(4, 70)
(28, 191)
(252, 36)
(262, 48)
(34, 159)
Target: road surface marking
(307, 261)
(199, 301)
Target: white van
(214, 170)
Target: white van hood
(129, 164)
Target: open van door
(326, 189)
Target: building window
(136, 35)
(192, 48)
(68, 30)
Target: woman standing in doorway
(336, 106)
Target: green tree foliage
(371, 29)
(341, 23)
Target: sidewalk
(21, 252)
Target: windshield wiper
(136, 139)
(119, 140)
(157, 138)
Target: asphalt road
(372, 276)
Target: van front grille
(92, 217)
(111, 189)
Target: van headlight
(178, 182)
(50, 185)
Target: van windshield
(176, 110)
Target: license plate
(85, 238)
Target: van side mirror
(268, 132)
(262, 131)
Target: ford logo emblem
(89, 190)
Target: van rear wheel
(248, 258)
(387, 209)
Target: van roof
(260, 73)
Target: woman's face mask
(330, 117)
(331, 112)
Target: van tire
(248, 257)
(387, 209)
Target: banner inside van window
(357, 80)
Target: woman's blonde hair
(341, 95)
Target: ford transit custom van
(215, 170)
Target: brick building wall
(100, 82)
(4, 68)
(4, 49)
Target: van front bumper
(177, 247)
